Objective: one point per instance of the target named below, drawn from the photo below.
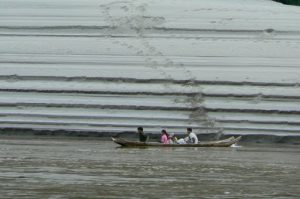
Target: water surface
(59, 168)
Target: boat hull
(220, 143)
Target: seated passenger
(142, 136)
(164, 137)
(172, 139)
(192, 137)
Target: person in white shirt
(192, 137)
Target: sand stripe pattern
(110, 66)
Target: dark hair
(189, 129)
(140, 128)
(165, 132)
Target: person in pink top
(164, 137)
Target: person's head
(163, 131)
(189, 130)
(140, 129)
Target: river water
(59, 168)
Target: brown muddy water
(58, 168)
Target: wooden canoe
(220, 143)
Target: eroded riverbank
(110, 65)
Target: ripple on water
(88, 169)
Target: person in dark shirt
(142, 136)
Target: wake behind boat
(220, 143)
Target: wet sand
(91, 168)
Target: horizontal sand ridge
(187, 82)
(175, 128)
(136, 118)
(149, 93)
(157, 32)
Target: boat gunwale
(220, 143)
